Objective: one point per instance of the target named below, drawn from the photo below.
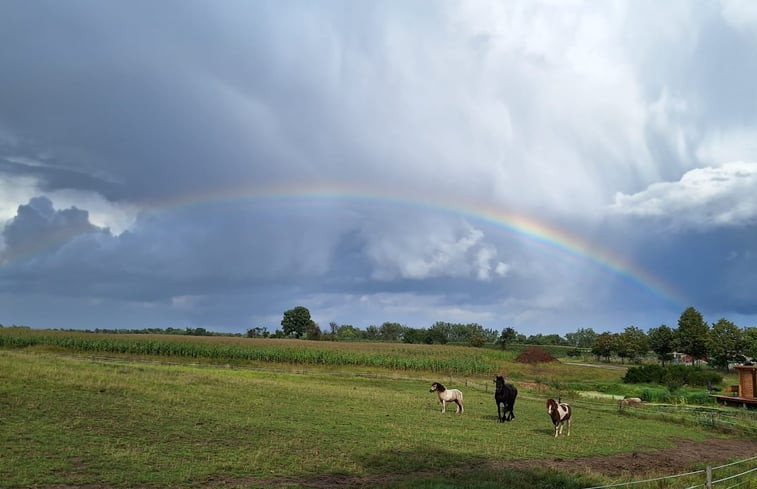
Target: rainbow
(518, 224)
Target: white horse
(448, 395)
(560, 413)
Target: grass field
(70, 419)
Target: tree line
(719, 345)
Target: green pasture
(76, 421)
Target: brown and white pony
(560, 413)
(448, 395)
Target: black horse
(505, 394)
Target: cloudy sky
(540, 165)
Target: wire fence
(729, 476)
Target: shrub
(673, 376)
(643, 374)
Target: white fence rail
(745, 479)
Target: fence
(705, 478)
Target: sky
(540, 165)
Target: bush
(645, 374)
(700, 398)
(704, 377)
(674, 376)
(655, 395)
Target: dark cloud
(548, 113)
(37, 226)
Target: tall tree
(726, 343)
(693, 334)
(391, 331)
(296, 322)
(347, 332)
(605, 345)
(507, 336)
(662, 342)
(634, 342)
(372, 332)
(582, 338)
(750, 342)
(439, 332)
(313, 331)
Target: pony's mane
(440, 387)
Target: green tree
(632, 343)
(391, 331)
(726, 343)
(313, 331)
(440, 332)
(662, 342)
(750, 342)
(693, 334)
(347, 332)
(476, 339)
(260, 331)
(371, 332)
(605, 345)
(541, 339)
(413, 335)
(582, 338)
(507, 336)
(296, 321)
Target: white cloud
(16, 191)
(741, 14)
(703, 198)
(420, 249)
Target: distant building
(686, 359)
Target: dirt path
(685, 455)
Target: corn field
(455, 360)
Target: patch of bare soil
(535, 354)
(671, 461)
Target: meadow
(297, 414)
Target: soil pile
(535, 354)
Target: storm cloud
(527, 164)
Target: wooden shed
(747, 393)
(747, 381)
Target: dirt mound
(535, 354)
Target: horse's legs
(569, 426)
(444, 406)
(512, 409)
(459, 407)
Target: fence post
(708, 478)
